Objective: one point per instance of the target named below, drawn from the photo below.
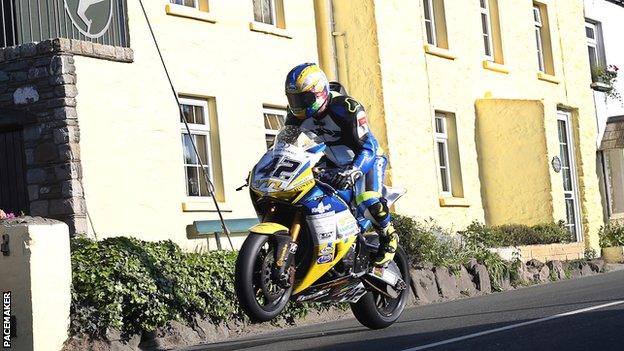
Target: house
(603, 27)
(105, 149)
(483, 107)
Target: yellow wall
(416, 83)
(358, 60)
(130, 132)
(511, 147)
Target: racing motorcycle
(312, 244)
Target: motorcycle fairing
(333, 230)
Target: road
(580, 314)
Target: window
(265, 11)
(447, 155)
(274, 120)
(441, 141)
(430, 22)
(486, 25)
(542, 39)
(435, 23)
(201, 5)
(198, 118)
(595, 46)
(538, 37)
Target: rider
(340, 121)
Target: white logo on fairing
(321, 208)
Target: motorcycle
(312, 244)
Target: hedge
(135, 286)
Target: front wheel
(260, 297)
(377, 311)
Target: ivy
(136, 286)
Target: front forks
(285, 254)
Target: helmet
(307, 90)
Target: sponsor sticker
(324, 259)
(321, 208)
(328, 250)
(325, 235)
(293, 248)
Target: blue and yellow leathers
(343, 126)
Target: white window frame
(198, 129)
(196, 4)
(593, 42)
(574, 193)
(274, 111)
(442, 138)
(273, 14)
(537, 16)
(430, 21)
(486, 11)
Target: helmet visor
(301, 100)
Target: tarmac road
(581, 314)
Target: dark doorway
(8, 23)
(13, 192)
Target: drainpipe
(326, 42)
(332, 27)
(607, 187)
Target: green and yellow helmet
(307, 90)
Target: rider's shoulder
(344, 105)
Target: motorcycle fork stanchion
(285, 253)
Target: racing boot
(388, 241)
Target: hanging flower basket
(604, 80)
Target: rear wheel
(376, 310)
(260, 297)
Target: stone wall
(39, 80)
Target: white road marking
(513, 326)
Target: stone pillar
(35, 276)
(40, 81)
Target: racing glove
(346, 178)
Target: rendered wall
(358, 62)
(134, 179)
(416, 83)
(511, 146)
(37, 272)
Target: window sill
(496, 67)
(203, 206)
(269, 29)
(548, 78)
(454, 202)
(440, 52)
(189, 12)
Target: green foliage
(590, 253)
(612, 234)
(426, 241)
(515, 234)
(136, 286)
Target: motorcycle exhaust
(385, 281)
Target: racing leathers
(352, 147)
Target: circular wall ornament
(556, 164)
(91, 17)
